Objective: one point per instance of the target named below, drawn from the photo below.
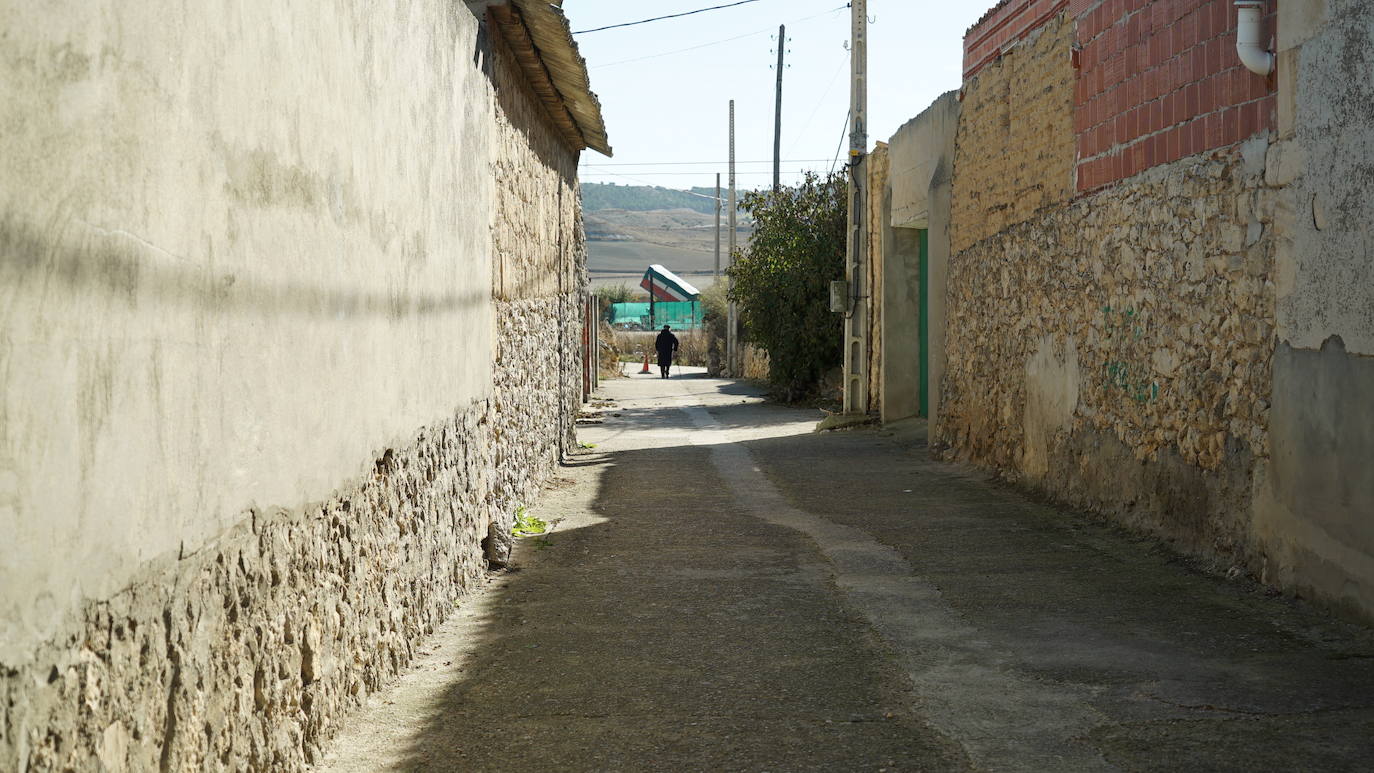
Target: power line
(713, 42)
(819, 102)
(706, 163)
(661, 18)
(841, 145)
(593, 172)
(680, 50)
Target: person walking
(666, 344)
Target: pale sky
(666, 104)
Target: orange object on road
(645, 369)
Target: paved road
(726, 590)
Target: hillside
(645, 198)
(629, 227)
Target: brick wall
(1014, 155)
(1159, 81)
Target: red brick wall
(1006, 23)
(1159, 80)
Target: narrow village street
(725, 589)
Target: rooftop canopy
(664, 285)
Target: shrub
(782, 279)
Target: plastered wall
(919, 192)
(1315, 501)
(1015, 153)
(261, 401)
(230, 273)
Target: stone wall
(878, 203)
(1015, 151)
(244, 653)
(538, 206)
(1188, 347)
(298, 410)
(1116, 352)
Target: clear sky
(665, 86)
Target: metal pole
(716, 274)
(777, 112)
(731, 321)
(856, 319)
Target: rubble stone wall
(1116, 352)
(538, 206)
(878, 203)
(320, 311)
(247, 652)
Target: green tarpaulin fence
(635, 316)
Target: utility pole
(732, 317)
(717, 271)
(856, 318)
(777, 112)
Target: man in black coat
(666, 344)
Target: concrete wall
(259, 406)
(919, 197)
(1315, 504)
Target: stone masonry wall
(538, 207)
(242, 655)
(1015, 151)
(1116, 352)
(877, 204)
(244, 652)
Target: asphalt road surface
(725, 589)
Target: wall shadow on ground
(670, 631)
(673, 630)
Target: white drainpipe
(1253, 53)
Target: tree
(782, 279)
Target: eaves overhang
(540, 36)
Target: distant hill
(646, 198)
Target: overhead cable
(713, 42)
(706, 163)
(661, 18)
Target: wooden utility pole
(777, 112)
(717, 271)
(856, 318)
(732, 317)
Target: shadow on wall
(111, 261)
